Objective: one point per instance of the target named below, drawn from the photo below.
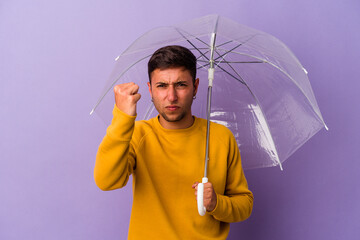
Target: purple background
(54, 59)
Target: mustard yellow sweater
(164, 164)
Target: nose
(172, 96)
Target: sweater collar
(182, 130)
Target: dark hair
(172, 57)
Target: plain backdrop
(55, 57)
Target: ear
(196, 85)
(149, 85)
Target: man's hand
(210, 198)
(126, 97)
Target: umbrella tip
(92, 111)
(326, 127)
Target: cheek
(187, 94)
(158, 94)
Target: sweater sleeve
(115, 159)
(237, 202)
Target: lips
(172, 108)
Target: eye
(181, 84)
(160, 85)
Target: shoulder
(218, 131)
(215, 126)
(222, 134)
(143, 128)
(220, 128)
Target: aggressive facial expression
(172, 91)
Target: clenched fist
(126, 97)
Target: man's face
(172, 91)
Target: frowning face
(172, 91)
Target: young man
(166, 156)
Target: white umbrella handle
(200, 197)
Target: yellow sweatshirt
(165, 163)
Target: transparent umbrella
(249, 81)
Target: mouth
(172, 108)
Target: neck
(186, 122)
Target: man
(166, 156)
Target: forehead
(170, 75)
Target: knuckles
(126, 89)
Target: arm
(115, 159)
(237, 202)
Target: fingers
(126, 97)
(126, 88)
(210, 197)
(195, 185)
(208, 190)
(129, 90)
(133, 88)
(136, 97)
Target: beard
(176, 119)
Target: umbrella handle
(200, 197)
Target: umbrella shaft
(211, 78)
(207, 129)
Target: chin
(173, 118)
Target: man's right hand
(126, 97)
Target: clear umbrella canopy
(260, 91)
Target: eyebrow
(177, 82)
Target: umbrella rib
(231, 50)
(192, 43)
(204, 53)
(178, 29)
(220, 56)
(201, 41)
(197, 49)
(224, 43)
(241, 79)
(202, 66)
(243, 62)
(232, 75)
(234, 62)
(222, 59)
(198, 58)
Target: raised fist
(126, 97)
